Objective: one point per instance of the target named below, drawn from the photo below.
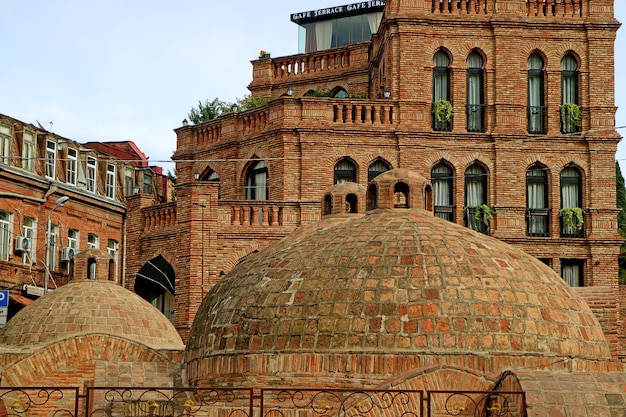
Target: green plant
(319, 93)
(482, 213)
(263, 54)
(572, 217)
(442, 110)
(571, 114)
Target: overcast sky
(112, 70)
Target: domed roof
(396, 282)
(87, 307)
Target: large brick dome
(88, 307)
(392, 283)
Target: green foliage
(621, 220)
(206, 111)
(210, 110)
(442, 110)
(319, 93)
(573, 217)
(571, 114)
(482, 213)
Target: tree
(208, 110)
(621, 220)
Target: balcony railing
(475, 117)
(537, 119)
(462, 6)
(445, 212)
(564, 8)
(538, 222)
(573, 227)
(476, 219)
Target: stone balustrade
(364, 112)
(323, 61)
(159, 217)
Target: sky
(114, 70)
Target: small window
(129, 181)
(345, 171)
(572, 271)
(401, 195)
(537, 110)
(28, 153)
(91, 174)
(51, 159)
(148, 187)
(443, 189)
(28, 231)
(110, 181)
(5, 235)
(475, 107)
(256, 182)
(5, 143)
(341, 93)
(93, 241)
(537, 207)
(376, 168)
(72, 157)
(72, 239)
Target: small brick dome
(394, 282)
(90, 307)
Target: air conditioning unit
(22, 244)
(67, 254)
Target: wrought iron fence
(244, 402)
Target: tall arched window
(345, 171)
(536, 95)
(537, 212)
(256, 182)
(570, 109)
(475, 93)
(441, 178)
(376, 168)
(572, 216)
(477, 213)
(441, 88)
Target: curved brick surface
(396, 282)
(86, 307)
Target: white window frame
(73, 239)
(93, 241)
(28, 152)
(92, 171)
(51, 159)
(5, 143)
(110, 182)
(5, 235)
(72, 165)
(29, 229)
(52, 239)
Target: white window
(72, 239)
(91, 174)
(112, 250)
(72, 162)
(28, 231)
(5, 235)
(53, 237)
(5, 143)
(93, 241)
(28, 153)
(51, 159)
(110, 184)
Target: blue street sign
(4, 298)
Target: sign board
(4, 300)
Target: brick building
(63, 211)
(506, 106)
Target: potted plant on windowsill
(482, 213)
(442, 110)
(573, 217)
(263, 54)
(571, 114)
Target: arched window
(570, 110)
(327, 208)
(256, 182)
(352, 203)
(441, 177)
(376, 168)
(537, 212)
(372, 197)
(475, 93)
(536, 95)
(156, 283)
(441, 88)
(345, 171)
(572, 216)
(477, 212)
(401, 195)
(340, 93)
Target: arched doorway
(156, 282)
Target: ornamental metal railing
(248, 402)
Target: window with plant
(571, 114)
(442, 109)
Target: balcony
(445, 212)
(538, 222)
(475, 117)
(537, 119)
(572, 222)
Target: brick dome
(90, 307)
(394, 282)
